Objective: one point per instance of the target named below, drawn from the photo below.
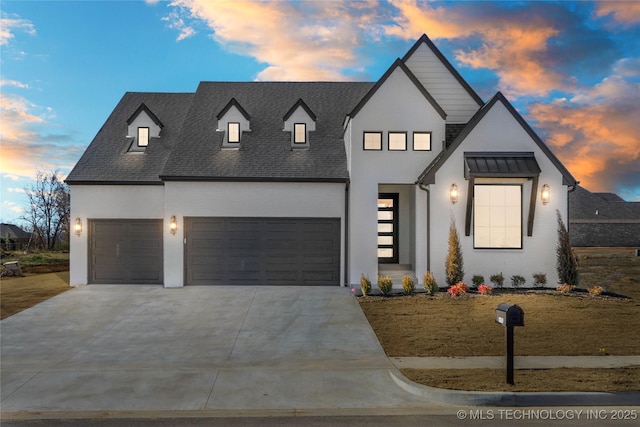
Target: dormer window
(233, 132)
(300, 133)
(233, 120)
(143, 137)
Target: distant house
(13, 237)
(603, 219)
(315, 183)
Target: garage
(262, 251)
(125, 251)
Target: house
(315, 183)
(13, 237)
(603, 219)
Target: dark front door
(388, 228)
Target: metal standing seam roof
(493, 164)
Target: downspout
(572, 188)
(346, 233)
(426, 188)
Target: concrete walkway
(520, 362)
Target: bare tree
(48, 208)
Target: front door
(388, 228)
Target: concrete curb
(487, 398)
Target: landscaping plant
(517, 281)
(566, 263)
(430, 284)
(385, 284)
(565, 288)
(454, 264)
(484, 289)
(477, 280)
(408, 285)
(458, 289)
(595, 290)
(497, 279)
(539, 280)
(365, 285)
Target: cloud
(13, 83)
(595, 133)
(625, 12)
(12, 206)
(10, 23)
(295, 41)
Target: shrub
(408, 285)
(454, 264)
(484, 289)
(539, 280)
(458, 289)
(595, 290)
(565, 288)
(430, 284)
(365, 285)
(497, 280)
(517, 281)
(385, 284)
(566, 262)
(477, 280)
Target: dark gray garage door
(262, 251)
(127, 251)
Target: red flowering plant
(484, 289)
(458, 289)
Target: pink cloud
(626, 12)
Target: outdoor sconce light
(544, 194)
(173, 224)
(77, 228)
(453, 193)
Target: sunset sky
(572, 69)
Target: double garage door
(219, 251)
(262, 251)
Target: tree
(566, 262)
(48, 208)
(454, 264)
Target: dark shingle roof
(585, 205)
(265, 152)
(107, 159)
(13, 232)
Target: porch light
(77, 228)
(173, 224)
(544, 194)
(453, 193)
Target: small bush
(539, 280)
(385, 284)
(497, 280)
(484, 289)
(595, 290)
(454, 263)
(458, 289)
(430, 284)
(565, 288)
(477, 280)
(365, 285)
(408, 285)
(517, 281)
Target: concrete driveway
(146, 348)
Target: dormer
(299, 120)
(141, 127)
(233, 120)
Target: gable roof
(233, 103)
(585, 205)
(13, 231)
(304, 106)
(427, 41)
(146, 109)
(428, 175)
(398, 64)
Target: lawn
(420, 325)
(20, 293)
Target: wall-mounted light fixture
(453, 193)
(173, 224)
(77, 228)
(544, 194)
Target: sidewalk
(520, 362)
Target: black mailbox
(509, 315)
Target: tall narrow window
(233, 132)
(373, 140)
(422, 141)
(397, 141)
(299, 133)
(497, 216)
(143, 137)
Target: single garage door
(262, 251)
(127, 251)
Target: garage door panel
(262, 251)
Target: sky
(572, 69)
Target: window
(143, 137)
(299, 133)
(373, 140)
(422, 141)
(397, 141)
(233, 132)
(497, 216)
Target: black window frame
(422, 133)
(396, 133)
(499, 184)
(229, 141)
(364, 138)
(295, 134)
(138, 136)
